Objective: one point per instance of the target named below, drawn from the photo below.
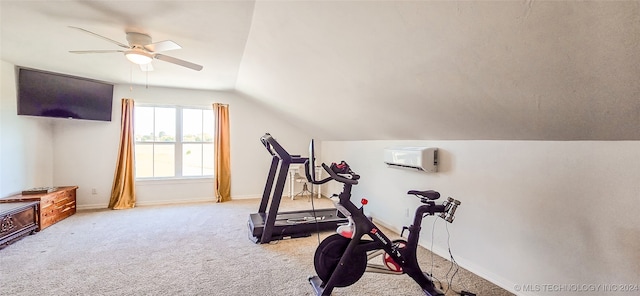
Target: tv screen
(42, 93)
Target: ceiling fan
(141, 50)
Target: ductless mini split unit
(417, 158)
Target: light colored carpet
(187, 249)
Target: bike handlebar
(451, 206)
(341, 179)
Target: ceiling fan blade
(146, 67)
(162, 46)
(100, 36)
(96, 51)
(177, 61)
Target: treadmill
(265, 226)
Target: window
(173, 142)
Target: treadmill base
(294, 224)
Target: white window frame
(177, 143)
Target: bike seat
(428, 194)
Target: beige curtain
(123, 195)
(221, 150)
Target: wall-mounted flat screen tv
(48, 94)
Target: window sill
(183, 180)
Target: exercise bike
(341, 259)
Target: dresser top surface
(12, 206)
(34, 197)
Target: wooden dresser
(53, 207)
(17, 219)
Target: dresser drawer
(17, 220)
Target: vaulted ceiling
(369, 70)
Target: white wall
(26, 154)
(497, 70)
(37, 151)
(532, 212)
(86, 152)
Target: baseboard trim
(92, 207)
(464, 263)
(477, 270)
(174, 201)
(164, 202)
(250, 196)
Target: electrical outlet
(93, 191)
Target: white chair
(305, 185)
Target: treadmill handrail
(271, 144)
(275, 149)
(267, 145)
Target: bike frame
(405, 257)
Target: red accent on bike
(373, 231)
(346, 233)
(391, 264)
(364, 201)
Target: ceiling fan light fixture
(138, 57)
